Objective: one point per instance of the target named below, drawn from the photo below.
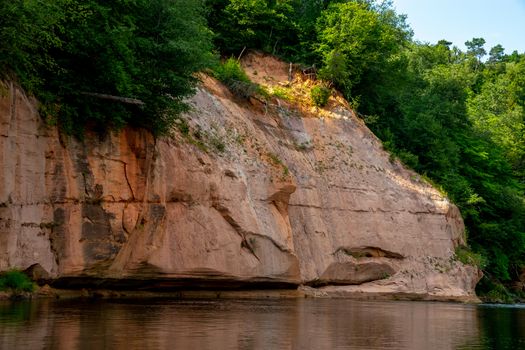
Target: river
(258, 324)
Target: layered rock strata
(243, 195)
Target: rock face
(252, 196)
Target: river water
(258, 324)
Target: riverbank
(47, 292)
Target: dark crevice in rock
(13, 101)
(125, 166)
(171, 284)
(180, 197)
(37, 273)
(230, 173)
(353, 273)
(282, 207)
(318, 283)
(86, 192)
(311, 206)
(369, 252)
(127, 180)
(245, 243)
(371, 210)
(275, 244)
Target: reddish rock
(259, 209)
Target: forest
(456, 117)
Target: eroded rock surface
(253, 195)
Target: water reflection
(258, 324)
(503, 327)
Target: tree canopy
(71, 53)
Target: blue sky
(497, 21)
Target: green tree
(498, 112)
(496, 54)
(476, 50)
(29, 30)
(355, 43)
(100, 56)
(475, 47)
(467, 142)
(253, 24)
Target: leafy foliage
(320, 95)
(139, 50)
(233, 76)
(16, 281)
(255, 24)
(466, 256)
(353, 40)
(29, 30)
(463, 122)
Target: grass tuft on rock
(15, 281)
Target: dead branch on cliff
(127, 100)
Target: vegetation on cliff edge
(453, 116)
(106, 64)
(448, 114)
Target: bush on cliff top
(231, 74)
(320, 95)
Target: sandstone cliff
(247, 195)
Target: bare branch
(240, 55)
(127, 100)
